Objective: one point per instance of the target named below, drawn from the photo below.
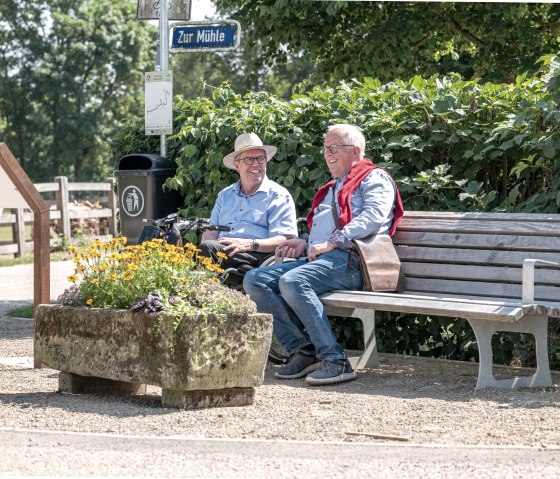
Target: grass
(25, 311)
(6, 234)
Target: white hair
(350, 134)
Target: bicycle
(173, 228)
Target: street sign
(178, 9)
(158, 102)
(205, 36)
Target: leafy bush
(450, 144)
(152, 276)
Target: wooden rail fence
(63, 196)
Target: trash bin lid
(145, 161)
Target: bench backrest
(478, 254)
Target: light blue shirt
(372, 211)
(268, 212)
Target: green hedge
(450, 144)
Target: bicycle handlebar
(185, 224)
(218, 228)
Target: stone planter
(213, 361)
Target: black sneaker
(331, 372)
(299, 365)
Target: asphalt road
(31, 453)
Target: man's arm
(292, 248)
(240, 245)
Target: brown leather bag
(380, 264)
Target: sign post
(187, 37)
(164, 62)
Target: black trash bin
(140, 179)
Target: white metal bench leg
(368, 358)
(535, 325)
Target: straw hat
(248, 141)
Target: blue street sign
(203, 37)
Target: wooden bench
(499, 271)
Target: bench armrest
(528, 280)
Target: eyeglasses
(332, 149)
(251, 159)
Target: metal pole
(163, 56)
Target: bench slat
(497, 290)
(476, 272)
(426, 306)
(462, 308)
(470, 256)
(542, 228)
(482, 241)
(552, 307)
(437, 215)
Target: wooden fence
(64, 193)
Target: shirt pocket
(257, 217)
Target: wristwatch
(255, 246)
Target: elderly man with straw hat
(260, 212)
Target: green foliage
(70, 72)
(450, 144)
(196, 75)
(24, 311)
(389, 40)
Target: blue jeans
(290, 291)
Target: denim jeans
(290, 291)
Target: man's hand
(292, 248)
(235, 245)
(319, 249)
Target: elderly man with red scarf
(367, 202)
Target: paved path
(74, 454)
(16, 283)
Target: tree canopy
(71, 71)
(389, 40)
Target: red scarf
(356, 175)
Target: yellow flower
(94, 281)
(89, 302)
(112, 277)
(72, 278)
(221, 255)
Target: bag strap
(334, 209)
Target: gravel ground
(407, 418)
(421, 401)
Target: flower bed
(154, 314)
